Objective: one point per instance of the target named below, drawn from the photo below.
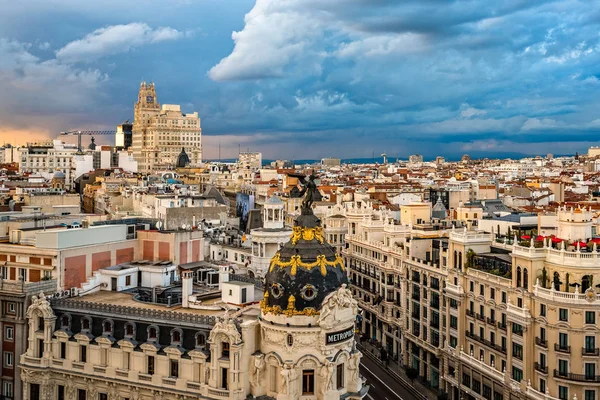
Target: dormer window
(85, 324)
(107, 327)
(129, 331)
(200, 340)
(175, 336)
(64, 322)
(152, 333)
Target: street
(383, 386)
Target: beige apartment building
(161, 132)
(481, 317)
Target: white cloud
(275, 33)
(469, 112)
(383, 45)
(113, 40)
(537, 124)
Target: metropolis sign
(336, 337)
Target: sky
(298, 79)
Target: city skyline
(429, 78)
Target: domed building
(308, 319)
(58, 180)
(182, 159)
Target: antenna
(219, 150)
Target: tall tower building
(160, 132)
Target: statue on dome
(310, 192)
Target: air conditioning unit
(74, 292)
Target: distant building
(440, 160)
(331, 162)
(415, 158)
(159, 133)
(123, 136)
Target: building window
(590, 395)
(129, 330)
(590, 343)
(481, 290)
(174, 369)
(61, 392)
(150, 362)
(81, 394)
(8, 359)
(590, 371)
(83, 353)
(9, 333)
(290, 340)
(504, 297)
(471, 286)
(126, 359)
(175, 336)
(542, 386)
(11, 308)
(107, 327)
(102, 396)
(563, 367)
(224, 378)
(63, 350)
(563, 393)
(563, 340)
(308, 382)
(517, 374)
(563, 314)
(339, 375)
(128, 280)
(152, 333)
(590, 318)
(85, 324)
(64, 322)
(7, 389)
(542, 310)
(492, 293)
(200, 340)
(225, 350)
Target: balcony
(480, 317)
(491, 321)
(502, 326)
(470, 313)
(590, 352)
(541, 342)
(576, 377)
(562, 349)
(485, 342)
(541, 368)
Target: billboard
(243, 204)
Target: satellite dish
(184, 226)
(159, 225)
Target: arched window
(455, 259)
(85, 324)
(518, 276)
(175, 336)
(107, 327)
(525, 279)
(460, 260)
(129, 330)
(586, 282)
(65, 322)
(152, 332)
(200, 339)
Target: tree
(470, 259)
(412, 374)
(544, 277)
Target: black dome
(303, 272)
(182, 160)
